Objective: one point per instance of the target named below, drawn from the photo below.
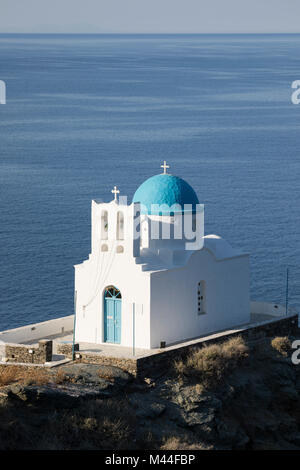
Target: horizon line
(151, 33)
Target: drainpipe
(73, 343)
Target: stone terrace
(144, 361)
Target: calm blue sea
(86, 112)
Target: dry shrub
(106, 375)
(60, 376)
(8, 375)
(27, 375)
(97, 424)
(90, 424)
(210, 364)
(117, 429)
(282, 344)
(199, 389)
(179, 366)
(235, 350)
(35, 376)
(174, 443)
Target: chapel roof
(165, 189)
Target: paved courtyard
(113, 350)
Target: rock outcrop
(256, 406)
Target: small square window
(201, 297)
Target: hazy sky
(149, 16)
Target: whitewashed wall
(103, 269)
(269, 308)
(38, 331)
(135, 288)
(174, 309)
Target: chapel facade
(153, 277)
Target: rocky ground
(252, 405)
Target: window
(201, 296)
(104, 247)
(104, 225)
(120, 226)
(120, 249)
(112, 291)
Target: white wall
(268, 308)
(174, 309)
(111, 268)
(134, 285)
(38, 331)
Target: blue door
(112, 315)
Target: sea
(86, 112)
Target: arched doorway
(112, 315)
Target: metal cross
(165, 167)
(115, 191)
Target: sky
(149, 16)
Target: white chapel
(153, 278)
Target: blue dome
(165, 189)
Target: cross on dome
(165, 167)
(115, 191)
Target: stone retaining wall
(28, 353)
(147, 365)
(129, 365)
(154, 363)
(67, 349)
(281, 327)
